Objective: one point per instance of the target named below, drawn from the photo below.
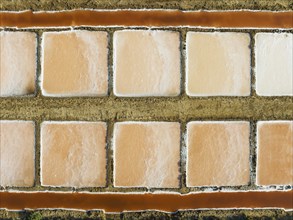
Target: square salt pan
(218, 64)
(146, 63)
(274, 64)
(218, 153)
(274, 153)
(146, 154)
(17, 63)
(75, 63)
(17, 153)
(73, 154)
